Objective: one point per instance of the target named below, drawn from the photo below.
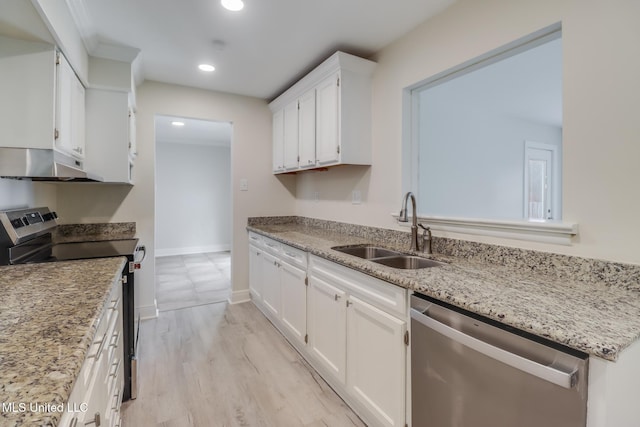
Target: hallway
(190, 280)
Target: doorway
(193, 211)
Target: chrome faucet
(415, 245)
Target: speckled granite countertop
(593, 316)
(48, 316)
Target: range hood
(42, 165)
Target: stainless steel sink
(408, 262)
(387, 257)
(366, 251)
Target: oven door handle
(143, 249)
(548, 373)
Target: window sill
(558, 233)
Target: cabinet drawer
(271, 245)
(293, 256)
(255, 239)
(385, 296)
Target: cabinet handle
(290, 254)
(271, 245)
(115, 371)
(349, 303)
(96, 420)
(74, 422)
(311, 162)
(115, 303)
(336, 297)
(99, 352)
(114, 339)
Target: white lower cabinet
(327, 332)
(351, 327)
(278, 286)
(376, 361)
(255, 272)
(97, 393)
(294, 297)
(271, 289)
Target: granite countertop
(590, 316)
(48, 319)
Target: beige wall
(250, 159)
(601, 127)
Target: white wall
(15, 194)
(600, 129)
(250, 159)
(193, 198)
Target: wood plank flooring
(226, 365)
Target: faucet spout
(403, 217)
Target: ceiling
(259, 51)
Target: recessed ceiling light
(177, 123)
(206, 67)
(233, 5)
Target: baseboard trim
(192, 250)
(238, 297)
(148, 311)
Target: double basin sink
(387, 257)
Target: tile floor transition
(190, 280)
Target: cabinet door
(278, 141)
(376, 358)
(294, 301)
(291, 136)
(327, 326)
(255, 273)
(271, 292)
(307, 129)
(69, 110)
(328, 120)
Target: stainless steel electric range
(26, 237)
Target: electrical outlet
(244, 184)
(356, 197)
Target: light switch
(244, 184)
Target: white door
(271, 292)
(255, 273)
(294, 301)
(376, 359)
(327, 327)
(540, 182)
(278, 141)
(307, 129)
(328, 120)
(291, 136)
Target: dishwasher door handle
(551, 374)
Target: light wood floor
(226, 365)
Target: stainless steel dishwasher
(467, 372)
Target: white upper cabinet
(108, 135)
(278, 141)
(331, 122)
(307, 129)
(41, 100)
(70, 110)
(290, 141)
